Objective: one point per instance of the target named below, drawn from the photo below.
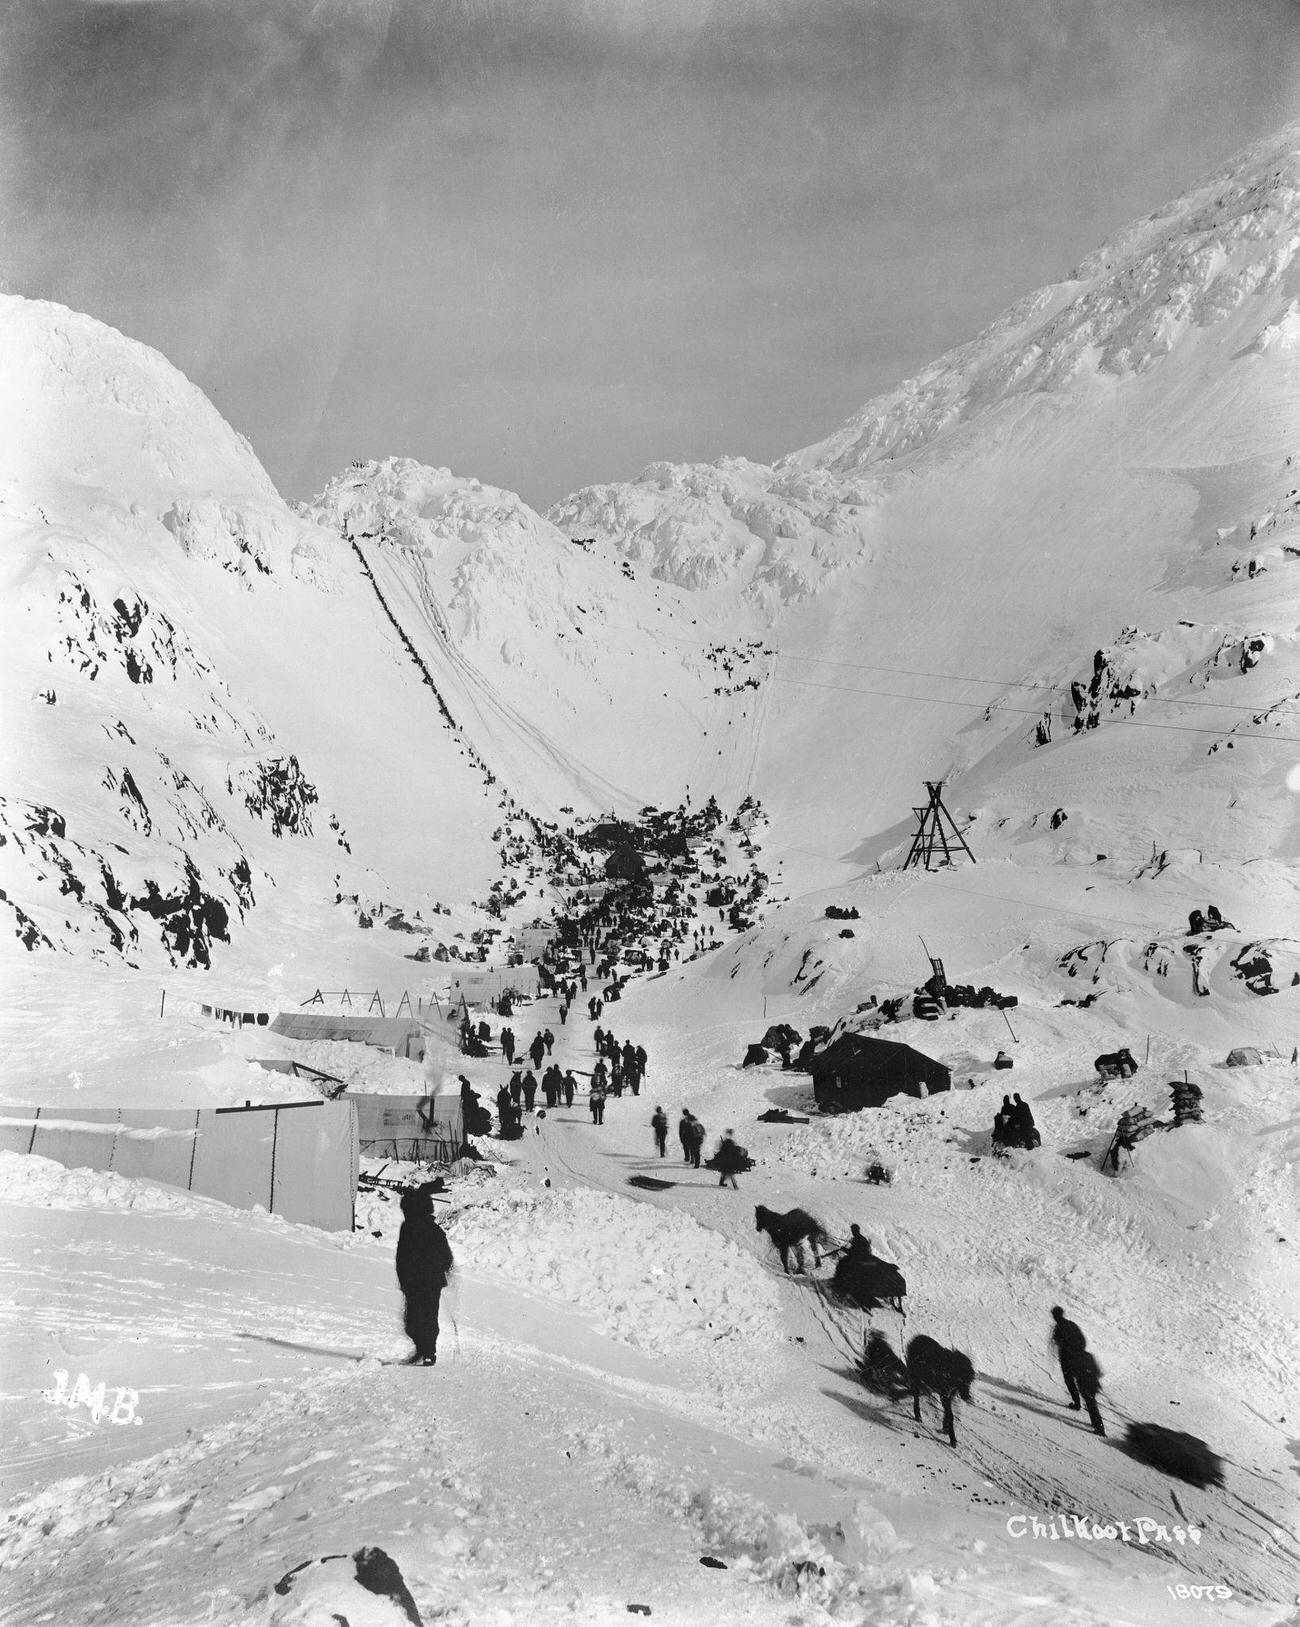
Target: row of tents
(299, 1160)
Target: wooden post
(163, 1004)
(930, 830)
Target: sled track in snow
(1237, 1547)
(477, 693)
(1038, 1455)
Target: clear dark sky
(548, 241)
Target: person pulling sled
(730, 1160)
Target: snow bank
(830, 1571)
(656, 1280)
(40, 1183)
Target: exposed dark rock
(45, 822)
(281, 790)
(28, 933)
(134, 810)
(190, 920)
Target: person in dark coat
(505, 1106)
(599, 1074)
(476, 1118)
(730, 1159)
(684, 1134)
(1003, 1122)
(598, 1040)
(659, 1124)
(641, 1060)
(596, 1102)
(530, 1091)
(698, 1133)
(1079, 1366)
(508, 1045)
(1023, 1127)
(537, 1050)
(516, 1087)
(548, 1039)
(858, 1248)
(570, 1085)
(1088, 1377)
(424, 1262)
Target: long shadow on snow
(293, 1344)
(894, 1416)
(1034, 1401)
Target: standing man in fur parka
(424, 1263)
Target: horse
(1116, 1065)
(939, 1372)
(790, 1231)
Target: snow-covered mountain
(1113, 459)
(254, 750)
(1074, 528)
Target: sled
(743, 1163)
(871, 1285)
(1185, 1457)
(438, 1186)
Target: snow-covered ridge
(64, 371)
(776, 532)
(781, 530)
(1123, 309)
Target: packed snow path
(704, 1407)
(1019, 1439)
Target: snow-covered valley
(253, 750)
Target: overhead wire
(1009, 683)
(1024, 711)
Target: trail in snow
(1018, 1438)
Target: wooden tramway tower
(933, 844)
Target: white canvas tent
(403, 1036)
(428, 1129)
(296, 1159)
(482, 985)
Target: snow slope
(576, 681)
(1108, 456)
(252, 752)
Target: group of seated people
(1014, 1126)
